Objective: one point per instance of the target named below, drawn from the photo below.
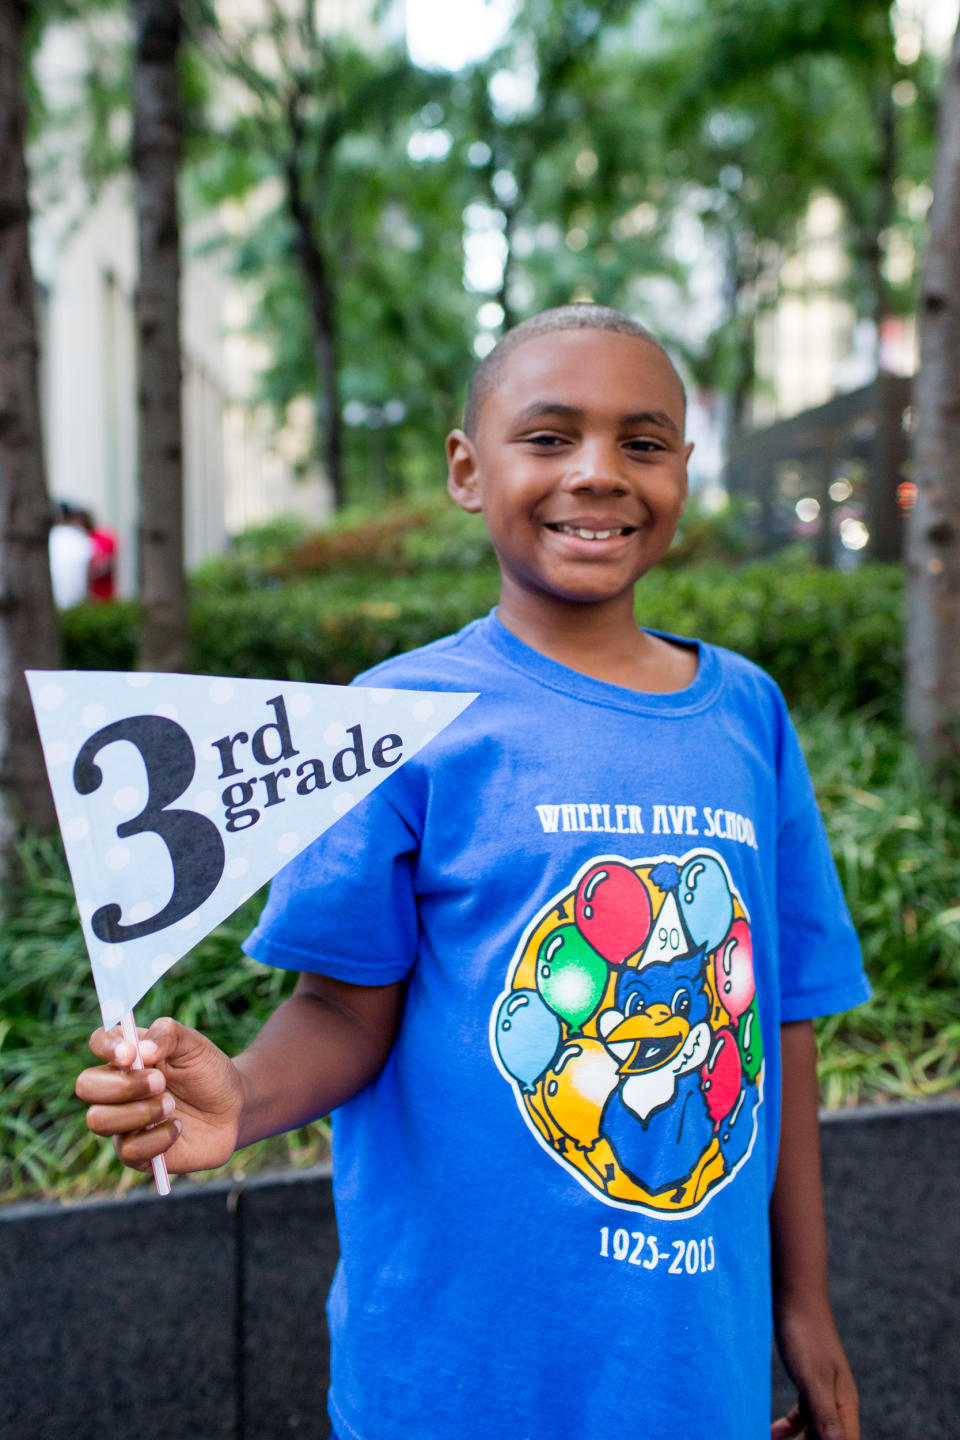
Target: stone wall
(201, 1317)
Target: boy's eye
(544, 442)
(645, 446)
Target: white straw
(160, 1177)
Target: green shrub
(101, 637)
(364, 590)
(827, 638)
(718, 537)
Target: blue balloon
(705, 900)
(527, 1034)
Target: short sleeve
(821, 968)
(345, 906)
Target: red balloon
(613, 911)
(734, 969)
(720, 1077)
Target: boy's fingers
(832, 1411)
(837, 1417)
(848, 1405)
(109, 1045)
(124, 1119)
(106, 1085)
(155, 1044)
(789, 1425)
(137, 1150)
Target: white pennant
(178, 796)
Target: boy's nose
(597, 468)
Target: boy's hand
(827, 1407)
(185, 1103)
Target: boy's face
(578, 465)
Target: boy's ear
(463, 474)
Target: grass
(897, 848)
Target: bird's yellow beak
(654, 1036)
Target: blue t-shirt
(553, 1200)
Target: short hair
(578, 316)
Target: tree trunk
(883, 515)
(164, 643)
(325, 350)
(741, 318)
(933, 556)
(320, 288)
(29, 633)
(316, 272)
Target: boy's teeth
(583, 534)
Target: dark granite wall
(202, 1315)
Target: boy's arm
(196, 1105)
(329, 1040)
(807, 1336)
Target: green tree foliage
(609, 149)
(395, 170)
(605, 150)
(774, 101)
(355, 251)
(557, 148)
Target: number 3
(194, 843)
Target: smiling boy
(575, 1129)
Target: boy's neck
(602, 641)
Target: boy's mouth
(582, 532)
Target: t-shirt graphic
(629, 1030)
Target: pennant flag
(178, 796)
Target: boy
(557, 974)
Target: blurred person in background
(71, 553)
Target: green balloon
(750, 1042)
(571, 976)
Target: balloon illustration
(571, 976)
(613, 910)
(705, 900)
(527, 1035)
(751, 1043)
(734, 969)
(720, 1077)
(616, 945)
(576, 1088)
